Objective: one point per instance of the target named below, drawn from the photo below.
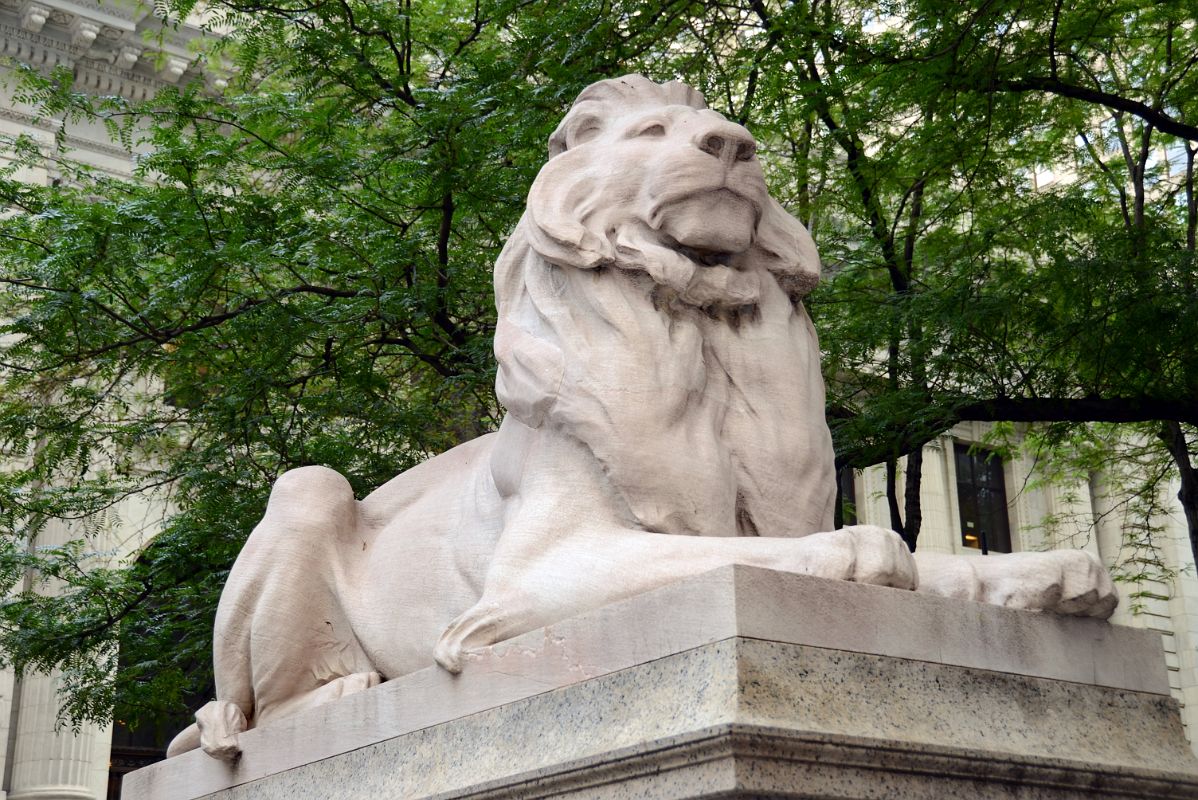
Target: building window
(982, 499)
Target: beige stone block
(738, 678)
(746, 718)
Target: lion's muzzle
(725, 141)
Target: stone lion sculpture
(665, 416)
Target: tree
(988, 300)
(1099, 329)
(301, 272)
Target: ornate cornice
(31, 48)
(95, 9)
(113, 46)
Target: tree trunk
(914, 478)
(1174, 437)
(1191, 200)
(892, 501)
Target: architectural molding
(117, 48)
(79, 142)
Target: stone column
(871, 502)
(938, 533)
(1026, 506)
(51, 762)
(101, 755)
(7, 684)
(1183, 612)
(1073, 512)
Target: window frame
(986, 473)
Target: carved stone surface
(742, 682)
(103, 42)
(665, 417)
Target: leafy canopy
(299, 270)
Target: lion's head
(643, 176)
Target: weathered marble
(746, 679)
(665, 417)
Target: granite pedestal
(742, 683)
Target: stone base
(742, 683)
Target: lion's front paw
(860, 553)
(1060, 581)
(1089, 590)
(477, 627)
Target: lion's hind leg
(325, 693)
(283, 640)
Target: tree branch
(1044, 83)
(1082, 409)
(889, 440)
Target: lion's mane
(612, 336)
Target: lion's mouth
(701, 256)
(707, 228)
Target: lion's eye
(652, 129)
(583, 134)
(583, 129)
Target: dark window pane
(846, 498)
(982, 499)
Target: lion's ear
(563, 206)
(785, 248)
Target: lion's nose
(726, 141)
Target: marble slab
(728, 663)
